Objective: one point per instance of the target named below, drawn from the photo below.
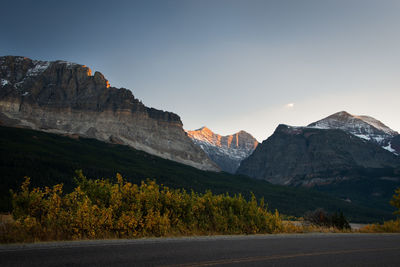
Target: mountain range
(311, 156)
(351, 157)
(65, 98)
(226, 151)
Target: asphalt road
(260, 250)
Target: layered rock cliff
(226, 151)
(63, 97)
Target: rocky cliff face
(226, 151)
(364, 127)
(65, 98)
(394, 144)
(310, 156)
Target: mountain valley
(49, 159)
(56, 117)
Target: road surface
(259, 250)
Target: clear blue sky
(229, 65)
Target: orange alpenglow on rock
(89, 71)
(226, 151)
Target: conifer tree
(395, 202)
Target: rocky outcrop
(63, 97)
(226, 151)
(310, 156)
(395, 144)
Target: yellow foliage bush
(101, 209)
(392, 226)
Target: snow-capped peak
(227, 151)
(355, 124)
(377, 124)
(362, 126)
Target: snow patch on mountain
(40, 67)
(363, 136)
(389, 148)
(4, 82)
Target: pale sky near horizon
(230, 65)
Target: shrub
(102, 209)
(320, 217)
(392, 226)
